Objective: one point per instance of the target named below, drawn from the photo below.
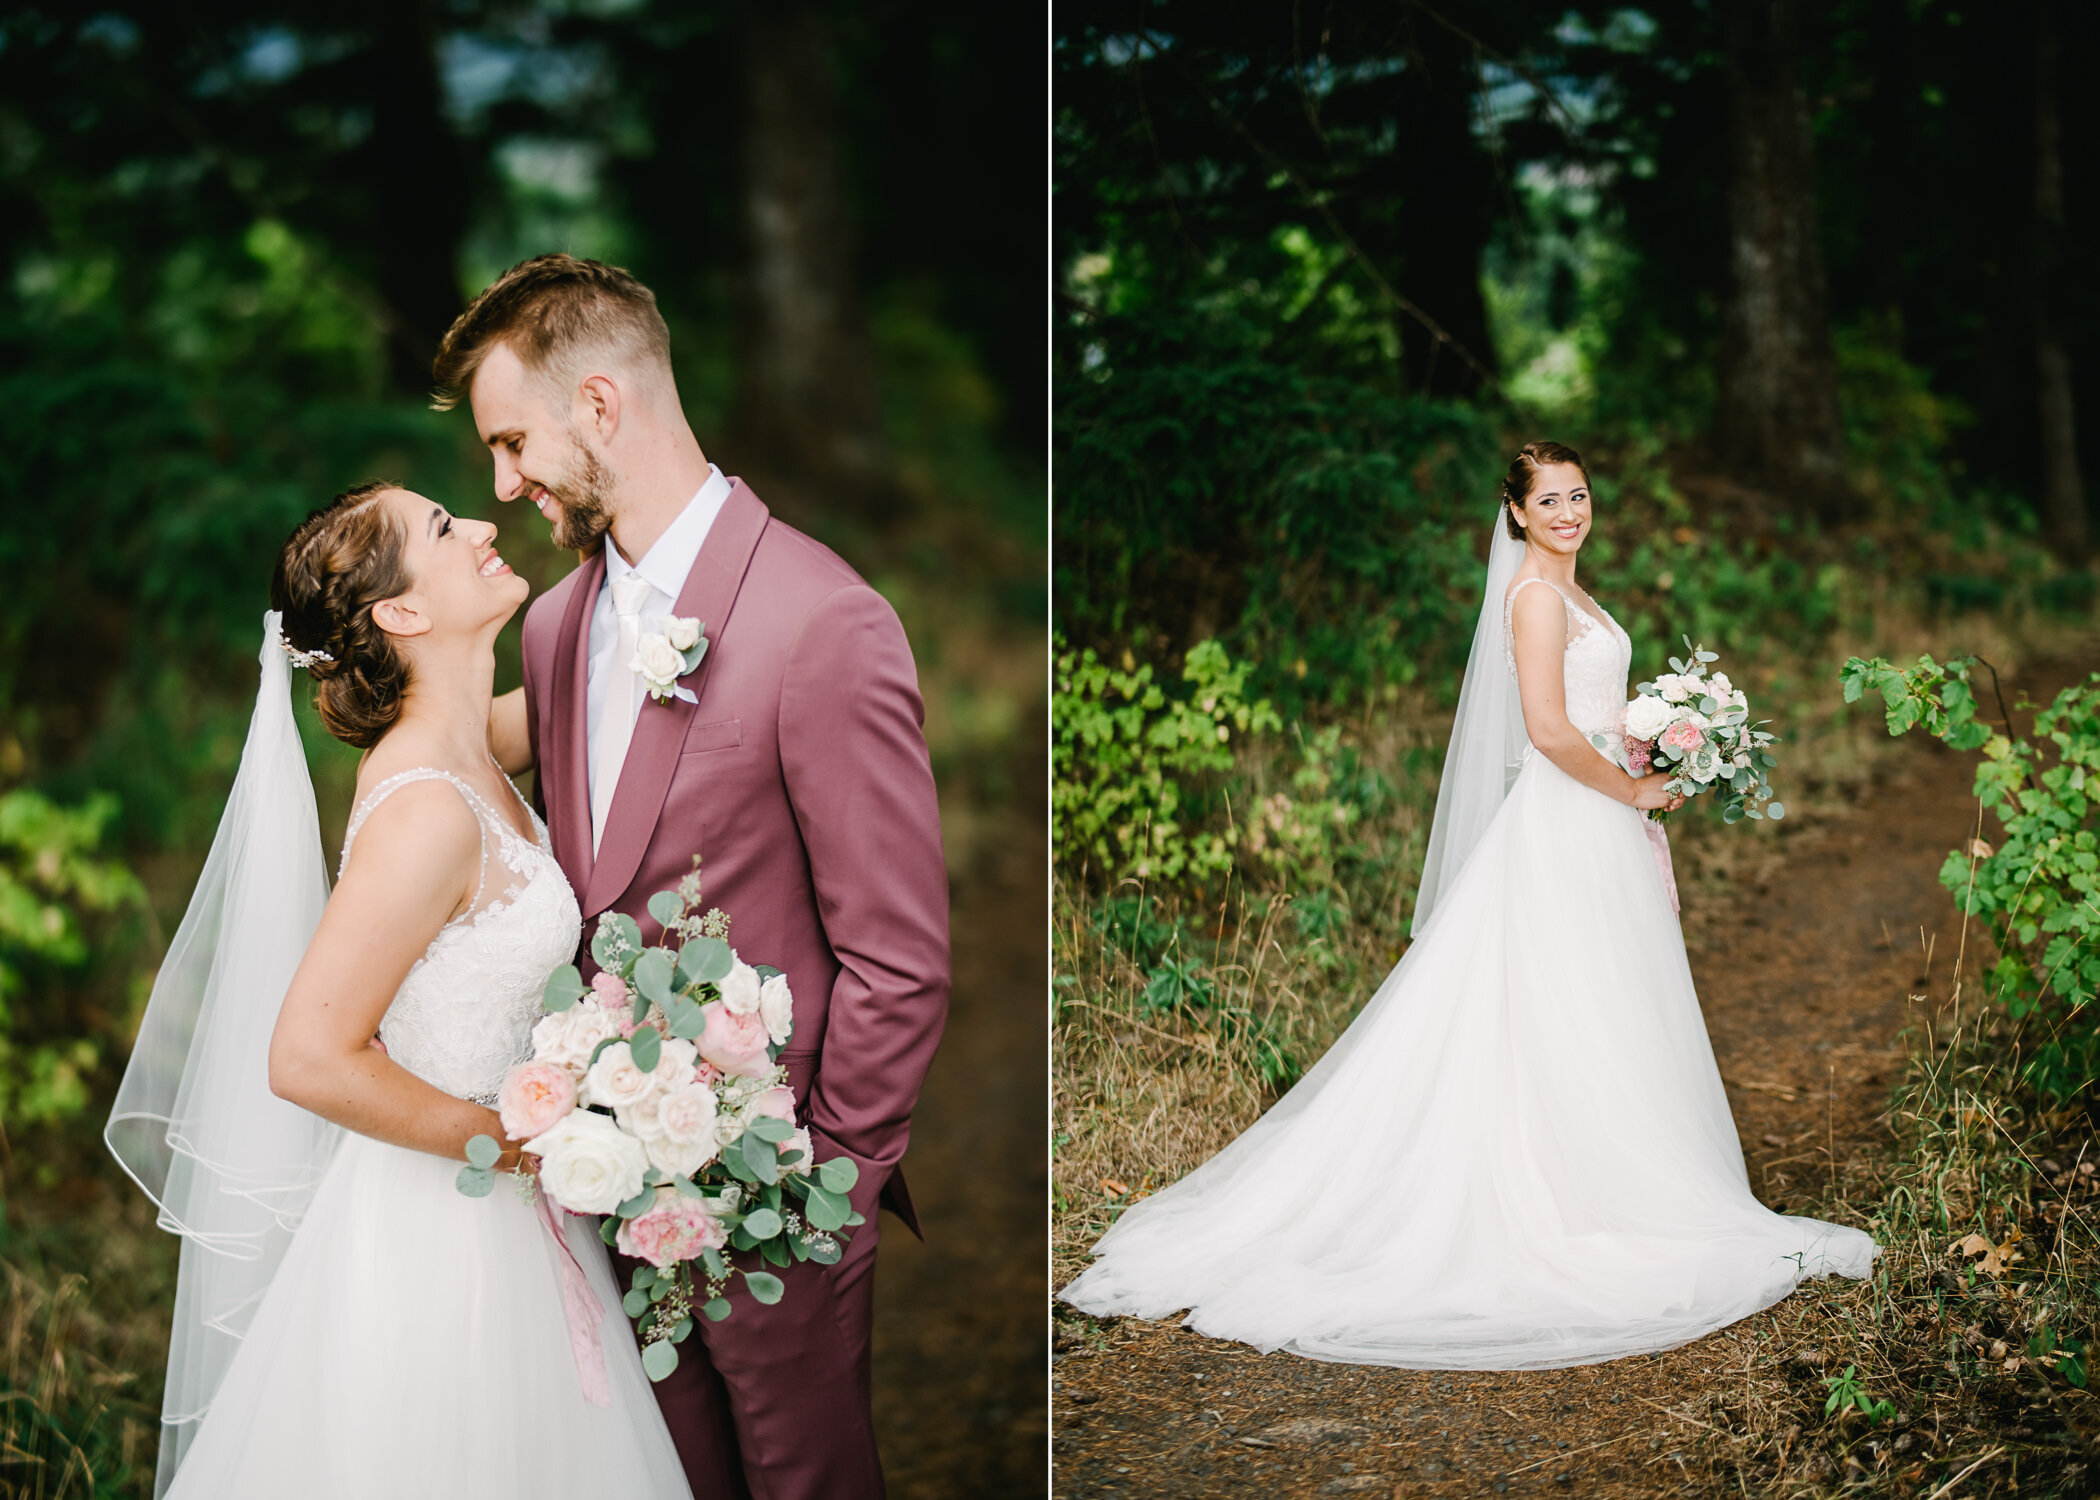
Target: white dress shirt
(665, 566)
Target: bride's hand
(1652, 793)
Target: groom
(791, 762)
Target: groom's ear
(601, 405)
(397, 617)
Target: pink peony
(535, 1096)
(777, 1102)
(735, 1044)
(1683, 738)
(677, 1228)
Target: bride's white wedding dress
(1520, 1154)
(414, 1341)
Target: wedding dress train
(1520, 1154)
(414, 1341)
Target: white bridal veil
(1487, 737)
(231, 1166)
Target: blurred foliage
(2039, 888)
(52, 886)
(1122, 753)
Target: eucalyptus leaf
(644, 1276)
(680, 1330)
(685, 1018)
(475, 1182)
(763, 1225)
(635, 1303)
(564, 988)
(608, 1229)
(839, 1174)
(712, 1259)
(823, 1252)
(483, 1151)
(776, 1252)
(665, 907)
(765, 1286)
(638, 1204)
(715, 1310)
(659, 1359)
(1774, 810)
(760, 1156)
(703, 960)
(771, 1128)
(646, 1046)
(827, 1210)
(652, 975)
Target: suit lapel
(568, 793)
(659, 730)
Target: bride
(1520, 1154)
(347, 1323)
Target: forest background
(230, 236)
(1809, 287)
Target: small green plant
(1848, 1393)
(2059, 1352)
(1127, 758)
(2039, 888)
(50, 879)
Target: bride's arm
(508, 740)
(416, 861)
(1539, 625)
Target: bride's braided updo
(344, 558)
(1516, 484)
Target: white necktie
(630, 591)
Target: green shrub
(1123, 756)
(2039, 888)
(50, 879)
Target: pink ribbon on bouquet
(584, 1309)
(1660, 843)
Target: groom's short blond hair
(558, 314)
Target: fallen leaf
(1979, 848)
(1996, 1258)
(1122, 1188)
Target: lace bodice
(1594, 667)
(466, 1010)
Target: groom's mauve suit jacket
(802, 781)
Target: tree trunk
(1779, 426)
(806, 389)
(1443, 225)
(420, 176)
(1889, 116)
(2063, 489)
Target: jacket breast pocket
(724, 734)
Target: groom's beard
(582, 509)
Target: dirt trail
(1805, 999)
(959, 1327)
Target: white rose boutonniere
(663, 659)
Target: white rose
(740, 989)
(566, 1038)
(682, 632)
(687, 1115)
(679, 1158)
(588, 1164)
(1648, 717)
(1703, 770)
(1722, 686)
(658, 661)
(776, 1007)
(615, 1079)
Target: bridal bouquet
(1696, 726)
(654, 1096)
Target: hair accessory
(301, 658)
